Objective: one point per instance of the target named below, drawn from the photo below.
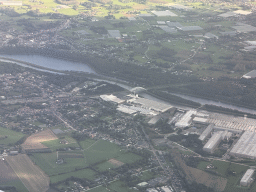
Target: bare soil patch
(33, 178)
(34, 141)
(115, 162)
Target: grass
(84, 173)
(47, 162)
(202, 165)
(100, 150)
(17, 184)
(128, 158)
(147, 175)
(55, 144)
(225, 168)
(94, 151)
(104, 166)
(11, 136)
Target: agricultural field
(61, 143)
(35, 141)
(9, 178)
(100, 154)
(233, 172)
(31, 176)
(9, 137)
(100, 8)
(84, 173)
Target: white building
(186, 119)
(112, 98)
(247, 178)
(213, 142)
(245, 146)
(206, 133)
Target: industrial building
(206, 133)
(231, 122)
(112, 98)
(247, 178)
(251, 74)
(133, 109)
(154, 120)
(245, 146)
(150, 104)
(186, 119)
(164, 13)
(213, 142)
(200, 120)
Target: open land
(35, 141)
(31, 176)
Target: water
(62, 65)
(52, 63)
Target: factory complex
(218, 127)
(245, 146)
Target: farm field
(31, 176)
(35, 140)
(61, 143)
(9, 178)
(9, 137)
(100, 154)
(232, 172)
(84, 173)
(47, 162)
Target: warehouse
(251, 74)
(245, 146)
(206, 133)
(186, 119)
(112, 98)
(247, 178)
(150, 104)
(213, 142)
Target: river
(52, 63)
(62, 65)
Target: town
(120, 122)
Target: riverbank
(183, 100)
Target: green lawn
(9, 137)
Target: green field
(17, 184)
(84, 173)
(56, 144)
(9, 137)
(233, 172)
(47, 162)
(96, 153)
